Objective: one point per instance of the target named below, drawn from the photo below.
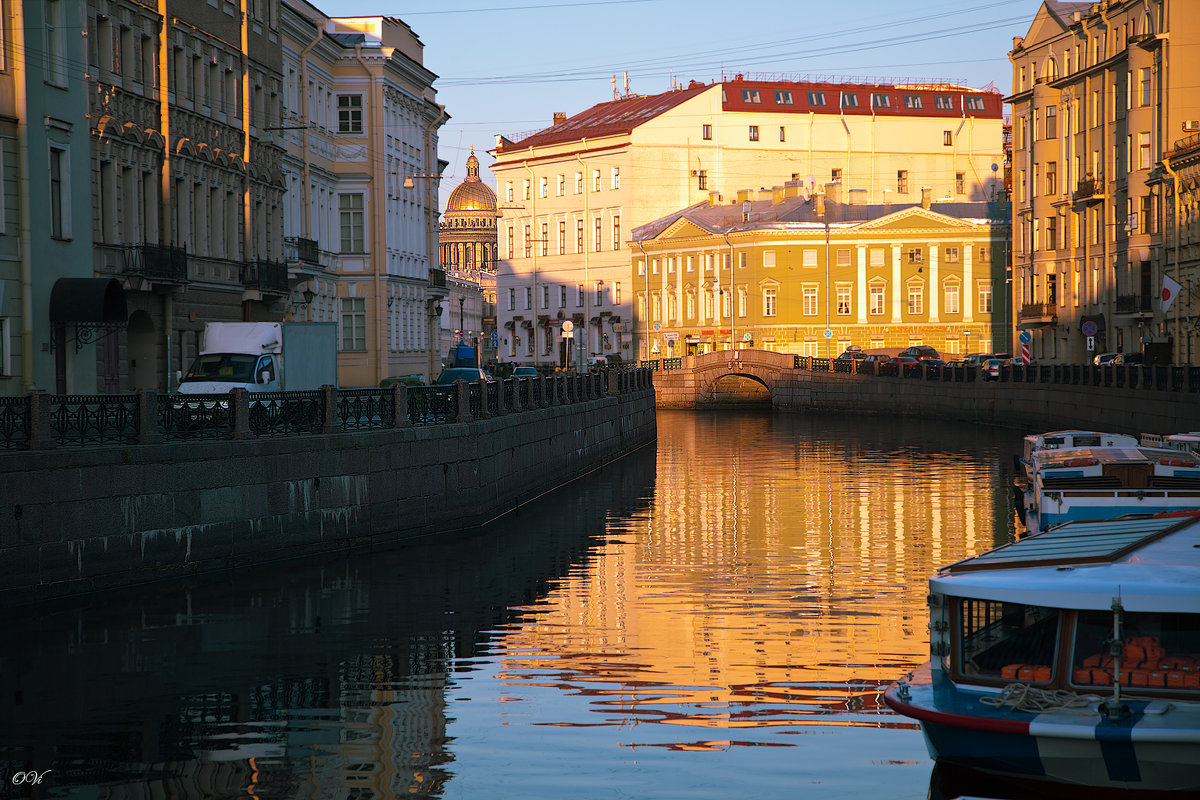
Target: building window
(60, 195)
(579, 296)
(768, 258)
(510, 241)
(843, 257)
(916, 256)
(597, 238)
(545, 238)
(595, 180)
(843, 300)
(916, 298)
(528, 297)
(528, 242)
(1051, 122)
(512, 299)
(599, 293)
(960, 183)
(754, 133)
(816, 98)
(543, 186)
(615, 178)
(849, 100)
(706, 132)
(616, 228)
(948, 138)
(525, 189)
(349, 113)
(578, 183)
(951, 298)
(878, 300)
(951, 255)
(350, 207)
(1051, 178)
(1145, 96)
(578, 236)
(902, 181)
(354, 323)
(562, 185)
(808, 258)
(1144, 151)
(56, 42)
(975, 104)
(782, 134)
(768, 297)
(783, 98)
(562, 297)
(985, 298)
(751, 96)
(508, 191)
(944, 102)
(741, 301)
(808, 301)
(835, 175)
(545, 296)
(875, 256)
(912, 101)
(562, 237)
(702, 179)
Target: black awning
(88, 300)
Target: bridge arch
(715, 375)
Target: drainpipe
(376, 208)
(533, 253)
(304, 224)
(24, 223)
(587, 295)
(1175, 235)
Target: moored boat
(1069, 660)
(1089, 483)
(1067, 440)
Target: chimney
(858, 197)
(743, 195)
(713, 198)
(819, 205)
(926, 196)
(833, 191)
(560, 117)
(778, 193)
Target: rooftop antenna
(626, 84)
(614, 85)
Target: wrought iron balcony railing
(267, 276)
(157, 262)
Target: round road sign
(568, 326)
(1026, 337)
(828, 333)
(1088, 328)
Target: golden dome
(472, 194)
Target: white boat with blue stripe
(1067, 440)
(1088, 483)
(1068, 662)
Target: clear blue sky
(505, 66)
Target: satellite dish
(811, 181)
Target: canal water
(715, 616)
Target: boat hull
(1146, 755)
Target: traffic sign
(657, 327)
(671, 336)
(1091, 340)
(748, 337)
(567, 326)
(1089, 329)
(1026, 337)
(828, 333)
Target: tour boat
(1188, 442)
(1069, 661)
(1085, 483)
(1068, 440)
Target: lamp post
(461, 300)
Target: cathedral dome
(472, 194)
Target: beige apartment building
(569, 194)
(359, 132)
(785, 271)
(1105, 115)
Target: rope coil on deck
(1023, 697)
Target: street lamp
(461, 301)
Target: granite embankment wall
(1029, 406)
(75, 521)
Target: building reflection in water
(777, 579)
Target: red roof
(623, 115)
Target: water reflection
(730, 603)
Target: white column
(897, 288)
(933, 283)
(862, 284)
(968, 285)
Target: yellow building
(781, 270)
(570, 193)
(360, 133)
(1105, 108)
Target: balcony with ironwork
(1038, 314)
(1089, 190)
(156, 263)
(297, 248)
(266, 276)
(437, 278)
(1132, 303)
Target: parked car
(1127, 358)
(876, 358)
(1104, 358)
(469, 374)
(991, 369)
(920, 352)
(976, 359)
(525, 372)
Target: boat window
(1157, 651)
(1007, 641)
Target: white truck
(263, 357)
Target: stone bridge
(727, 377)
